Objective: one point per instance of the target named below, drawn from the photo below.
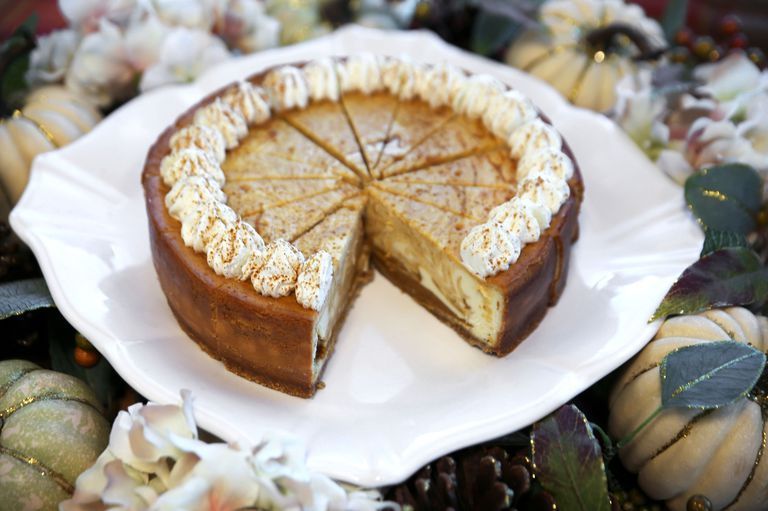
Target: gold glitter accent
(10, 383)
(41, 469)
(45, 397)
(752, 472)
(683, 433)
(714, 194)
(18, 114)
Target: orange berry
(85, 358)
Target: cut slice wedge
(471, 202)
(371, 117)
(252, 197)
(493, 169)
(457, 138)
(341, 235)
(291, 220)
(413, 123)
(327, 125)
(279, 143)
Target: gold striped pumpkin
(721, 453)
(51, 430)
(52, 117)
(559, 52)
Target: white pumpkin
(564, 55)
(684, 452)
(52, 117)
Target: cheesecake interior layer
(419, 182)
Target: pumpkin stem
(603, 37)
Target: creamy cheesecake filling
(475, 304)
(349, 268)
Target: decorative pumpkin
(720, 453)
(51, 430)
(585, 47)
(52, 117)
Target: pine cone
(433, 488)
(482, 478)
(16, 261)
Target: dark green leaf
(726, 197)
(523, 12)
(715, 240)
(730, 276)
(20, 296)
(491, 32)
(568, 463)
(709, 375)
(673, 18)
(14, 83)
(14, 62)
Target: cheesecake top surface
(270, 171)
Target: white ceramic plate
(402, 388)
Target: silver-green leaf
(20, 296)
(709, 375)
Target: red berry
(703, 46)
(684, 36)
(730, 24)
(85, 358)
(739, 40)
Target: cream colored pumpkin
(53, 116)
(719, 454)
(560, 54)
(51, 430)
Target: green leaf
(20, 296)
(715, 240)
(568, 463)
(709, 375)
(730, 276)
(491, 32)
(673, 18)
(726, 197)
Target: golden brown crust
(269, 340)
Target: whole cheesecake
(269, 201)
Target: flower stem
(627, 439)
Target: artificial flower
(244, 25)
(86, 15)
(195, 14)
(155, 462)
(185, 54)
(49, 61)
(143, 41)
(100, 68)
(639, 110)
(732, 81)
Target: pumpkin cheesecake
(271, 199)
